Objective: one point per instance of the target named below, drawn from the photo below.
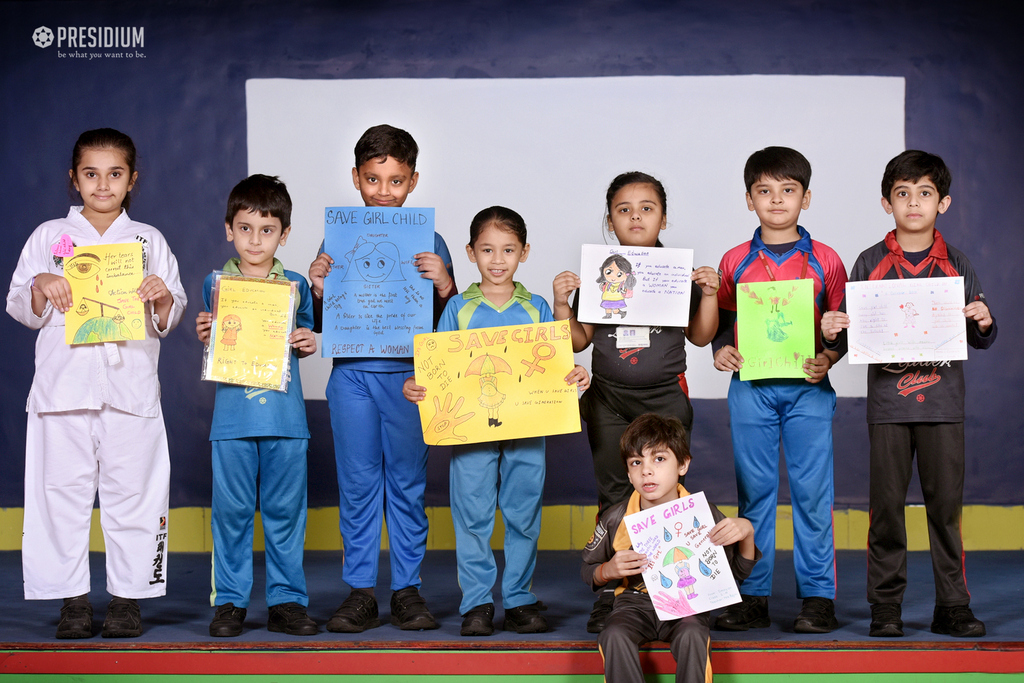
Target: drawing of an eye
(82, 266)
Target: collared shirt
(471, 310)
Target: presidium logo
(42, 36)
(105, 38)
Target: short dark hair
(386, 141)
(913, 165)
(506, 219)
(778, 163)
(653, 431)
(264, 194)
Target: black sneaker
(818, 615)
(123, 619)
(409, 611)
(525, 619)
(356, 614)
(227, 621)
(75, 618)
(478, 621)
(290, 618)
(751, 613)
(958, 621)
(602, 608)
(886, 620)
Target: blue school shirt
(245, 412)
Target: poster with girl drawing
(686, 573)
(375, 301)
(252, 318)
(635, 285)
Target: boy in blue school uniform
(497, 245)
(917, 409)
(378, 445)
(260, 435)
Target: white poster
(686, 573)
(651, 285)
(907, 321)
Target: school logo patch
(599, 533)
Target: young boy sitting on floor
(655, 454)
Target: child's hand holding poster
(686, 573)
(495, 383)
(907, 321)
(252, 319)
(105, 280)
(650, 285)
(775, 329)
(375, 300)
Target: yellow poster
(105, 280)
(252, 319)
(496, 383)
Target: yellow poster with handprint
(106, 307)
(252, 319)
(496, 383)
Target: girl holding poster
(506, 474)
(94, 417)
(636, 370)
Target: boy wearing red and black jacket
(917, 407)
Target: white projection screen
(549, 147)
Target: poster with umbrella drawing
(496, 383)
(686, 573)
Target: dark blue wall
(184, 105)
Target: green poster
(775, 328)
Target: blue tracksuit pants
(279, 467)
(382, 472)
(475, 492)
(798, 414)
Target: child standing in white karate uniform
(94, 417)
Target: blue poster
(375, 300)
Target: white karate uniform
(94, 424)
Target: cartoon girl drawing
(909, 314)
(230, 328)
(617, 283)
(686, 580)
(488, 367)
(374, 261)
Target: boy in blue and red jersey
(796, 411)
(917, 408)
